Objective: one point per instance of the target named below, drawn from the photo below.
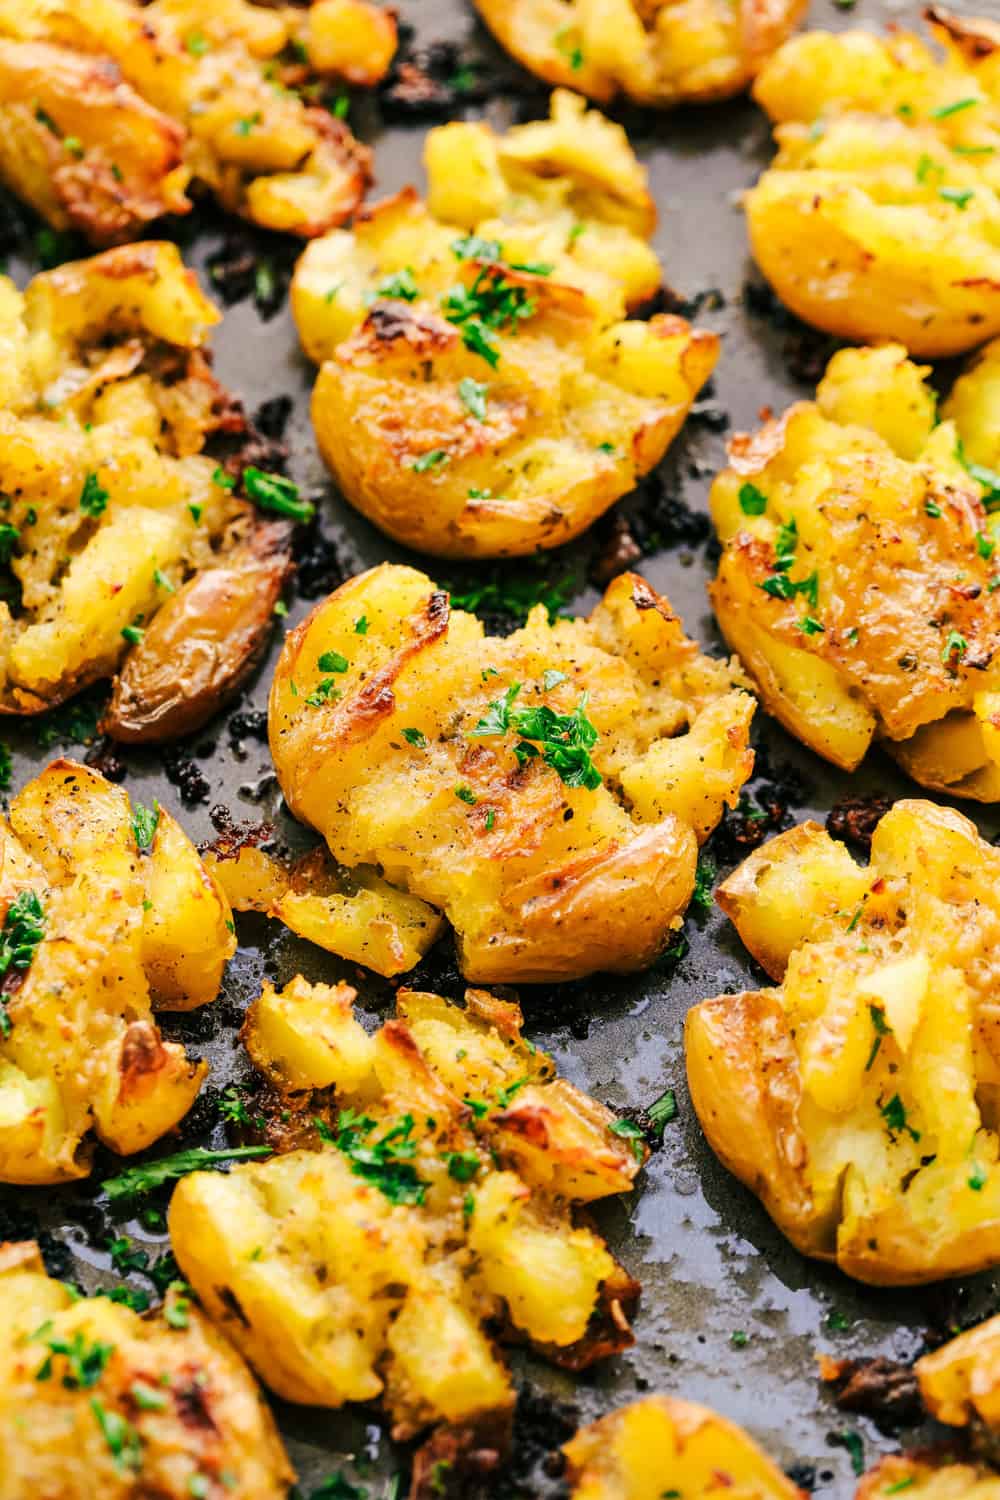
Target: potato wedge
(125, 543)
(94, 933)
(426, 748)
(111, 107)
(442, 1199)
(665, 53)
(879, 217)
(118, 1404)
(858, 574)
(660, 1445)
(858, 1098)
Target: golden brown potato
(660, 1445)
(929, 1477)
(111, 107)
(441, 1200)
(859, 1099)
(659, 52)
(547, 791)
(481, 393)
(126, 542)
(97, 1401)
(960, 1382)
(108, 912)
(858, 574)
(879, 218)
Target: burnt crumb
(984, 1440)
(271, 416)
(459, 1463)
(711, 299)
(804, 1475)
(766, 806)
(259, 791)
(662, 518)
(438, 79)
(535, 1465)
(855, 818)
(103, 757)
(709, 414)
(248, 724)
(879, 1388)
(249, 264)
(618, 551)
(806, 351)
(318, 564)
(188, 778)
(231, 836)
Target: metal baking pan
(730, 1315)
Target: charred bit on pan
(855, 818)
(231, 836)
(880, 1388)
(806, 351)
(184, 774)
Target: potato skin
(541, 880)
(682, 53)
(874, 221)
(858, 573)
(198, 1414)
(847, 1097)
(634, 1452)
(960, 1382)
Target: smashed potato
(95, 1400)
(480, 393)
(441, 1199)
(658, 52)
(859, 568)
(108, 912)
(546, 791)
(859, 1098)
(110, 108)
(127, 547)
(929, 1477)
(960, 1382)
(880, 217)
(660, 1445)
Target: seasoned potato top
(659, 52)
(111, 106)
(859, 1097)
(546, 790)
(97, 1401)
(441, 1197)
(661, 1445)
(108, 911)
(858, 574)
(880, 216)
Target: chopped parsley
(571, 50)
(23, 930)
(243, 127)
(196, 43)
(855, 1448)
(93, 497)
(704, 881)
(467, 795)
(662, 1111)
(753, 502)
(435, 459)
(144, 1178)
(162, 581)
(780, 586)
(985, 546)
(232, 1108)
(325, 691)
(633, 1135)
(332, 661)
(809, 625)
(490, 304)
(276, 493)
(978, 1177)
(125, 1257)
(385, 1163)
(144, 822)
(563, 741)
(961, 197)
(134, 634)
(120, 1436)
(462, 1165)
(415, 737)
(932, 509)
(894, 1115)
(953, 109)
(955, 647)
(472, 394)
(223, 480)
(6, 767)
(474, 247)
(85, 1361)
(361, 625)
(8, 537)
(400, 285)
(879, 1024)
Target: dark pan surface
(712, 1265)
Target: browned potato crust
(930, 1477)
(120, 931)
(109, 108)
(126, 542)
(379, 742)
(858, 1098)
(960, 1382)
(442, 1200)
(140, 1406)
(859, 568)
(659, 52)
(879, 218)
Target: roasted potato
(481, 394)
(125, 544)
(858, 572)
(107, 914)
(879, 217)
(110, 108)
(859, 1099)
(658, 52)
(929, 1476)
(960, 1382)
(97, 1401)
(547, 791)
(441, 1199)
(659, 1446)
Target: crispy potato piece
(401, 746)
(858, 572)
(110, 108)
(659, 1445)
(123, 546)
(481, 394)
(111, 1399)
(79, 1049)
(879, 217)
(442, 1199)
(859, 1099)
(662, 53)
(960, 1382)
(929, 1477)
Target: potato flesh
(879, 217)
(857, 1097)
(539, 879)
(62, 1449)
(929, 1479)
(660, 54)
(83, 1051)
(660, 1444)
(346, 1291)
(883, 516)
